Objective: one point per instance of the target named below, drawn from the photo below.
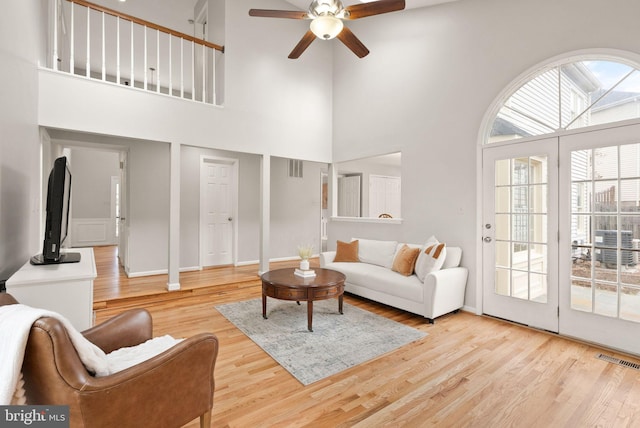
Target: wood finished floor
(470, 371)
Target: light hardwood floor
(470, 371)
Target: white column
(265, 212)
(174, 219)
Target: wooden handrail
(147, 24)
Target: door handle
(230, 219)
(487, 239)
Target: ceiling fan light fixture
(326, 27)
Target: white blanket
(15, 324)
(123, 358)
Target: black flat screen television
(57, 221)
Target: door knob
(230, 219)
(487, 239)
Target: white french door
(600, 237)
(520, 233)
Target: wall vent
(618, 361)
(295, 168)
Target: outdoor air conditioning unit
(609, 238)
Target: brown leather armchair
(168, 390)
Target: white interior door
(217, 202)
(599, 261)
(384, 196)
(520, 233)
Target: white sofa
(441, 291)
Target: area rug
(337, 342)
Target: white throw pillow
(431, 258)
(379, 253)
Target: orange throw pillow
(347, 252)
(405, 260)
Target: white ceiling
(410, 4)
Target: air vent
(618, 361)
(295, 168)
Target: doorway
(218, 206)
(520, 229)
(561, 234)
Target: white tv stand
(64, 288)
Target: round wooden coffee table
(284, 284)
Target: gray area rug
(337, 342)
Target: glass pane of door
(605, 231)
(521, 232)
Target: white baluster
(132, 78)
(158, 60)
(104, 59)
(88, 66)
(181, 67)
(72, 49)
(213, 76)
(117, 50)
(193, 72)
(204, 73)
(170, 68)
(145, 57)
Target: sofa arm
(326, 258)
(445, 290)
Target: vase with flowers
(305, 252)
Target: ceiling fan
(326, 21)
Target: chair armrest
(129, 328)
(179, 378)
(327, 257)
(445, 290)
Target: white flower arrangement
(305, 251)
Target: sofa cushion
(431, 258)
(377, 252)
(380, 279)
(347, 251)
(405, 260)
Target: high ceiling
(411, 4)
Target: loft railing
(100, 43)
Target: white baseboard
(173, 286)
(147, 273)
(470, 309)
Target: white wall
(431, 76)
(295, 208)
(21, 39)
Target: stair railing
(100, 43)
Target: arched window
(570, 95)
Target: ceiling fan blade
(350, 40)
(302, 45)
(268, 13)
(362, 10)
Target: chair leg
(205, 419)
